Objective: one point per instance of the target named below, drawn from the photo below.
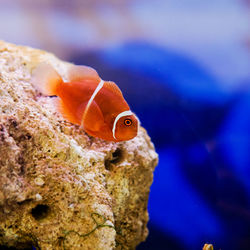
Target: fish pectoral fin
(79, 73)
(64, 110)
(93, 118)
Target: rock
(59, 187)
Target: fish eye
(128, 122)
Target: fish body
(97, 106)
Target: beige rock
(59, 187)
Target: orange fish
(96, 105)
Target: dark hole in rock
(24, 202)
(23, 246)
(40, 211)
(1, 127)
(116, 158)
(22, 170)
(7, 248)
(28, 136)
(13, 122)
(20, 160)
(25, 137)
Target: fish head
(125, 126)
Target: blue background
(201, 186)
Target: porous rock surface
(59, 187)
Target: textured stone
(59, 187)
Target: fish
(97, 106)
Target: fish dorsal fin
(113, 88)
(46, 79)
(78, 73)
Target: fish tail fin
(46, 79)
